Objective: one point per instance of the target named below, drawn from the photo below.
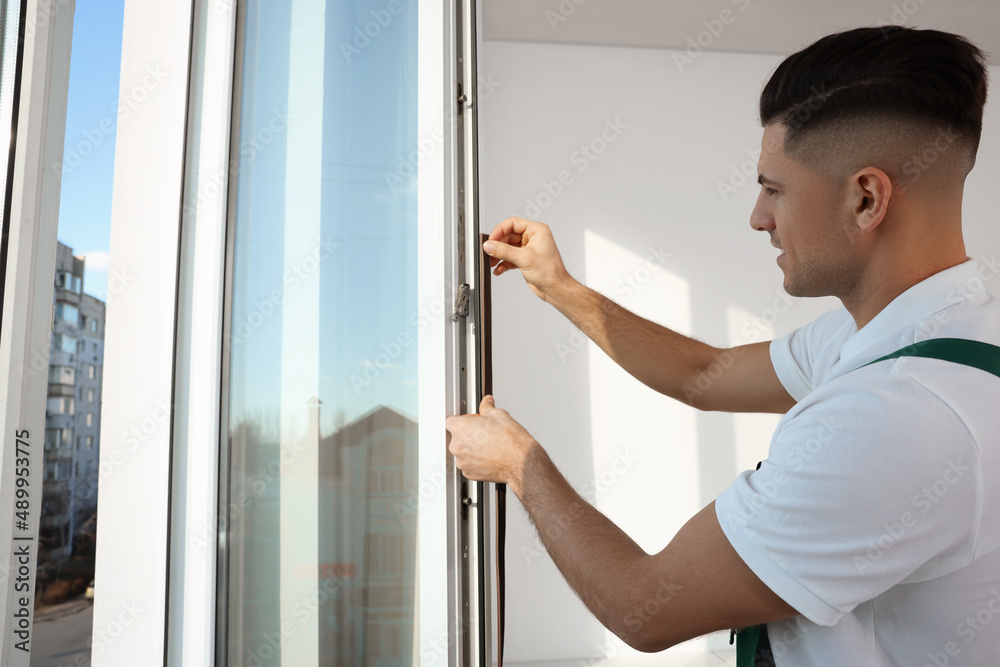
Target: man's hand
(696, 584)
(490, 446)
(527, 245)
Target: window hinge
(462, 99)
(461, 303)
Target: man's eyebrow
(764, 180)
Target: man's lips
(779, 248)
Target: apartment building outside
(72, 414)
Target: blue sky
(374, 225)
(91, 123)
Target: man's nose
(760, 218)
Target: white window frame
(176, 365)
(138, 371)
(25, 338)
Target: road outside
(62, 635)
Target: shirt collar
(935, 293)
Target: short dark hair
(928, 76)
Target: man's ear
(871, 192)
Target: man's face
(808, 215)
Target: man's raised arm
(740, 379)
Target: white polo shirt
(876, 514)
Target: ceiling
(750, 26)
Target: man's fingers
(502, 251)
(453, 422)
(487, 405)
(503, 267)
(508, 227)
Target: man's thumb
(503, 251)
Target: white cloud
(97, 261)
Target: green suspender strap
(973, 353)
(752, 646)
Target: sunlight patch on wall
(752, 430)
(644, 443)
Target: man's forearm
(603, 565)
(658, 357)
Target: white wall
(650, 462)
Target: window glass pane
(67, 312)
(60, 405)
(323, 360)
(63, 343)
(62, 374)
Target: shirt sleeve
(797, 356)
(856, 496)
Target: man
(870, 534)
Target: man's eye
(769, 191)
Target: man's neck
(883, 284)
